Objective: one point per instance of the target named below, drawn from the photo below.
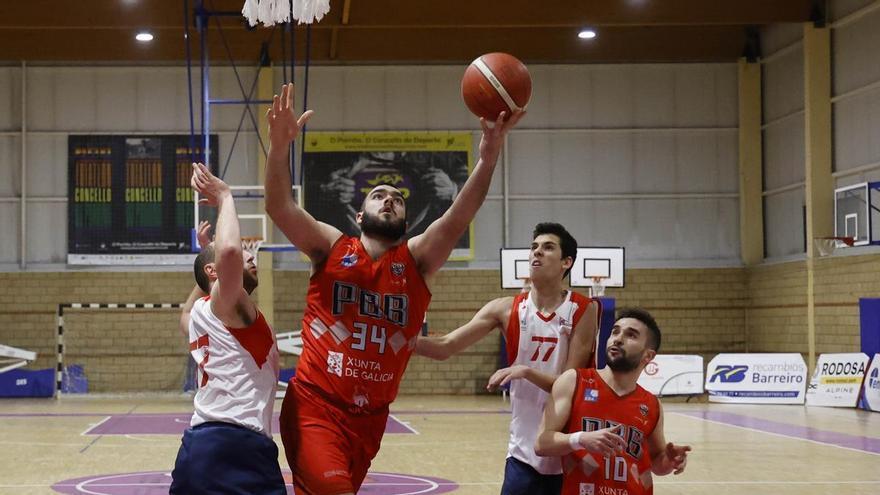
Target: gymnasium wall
(605, 137)
(783, 136)
(701, 311)
(776, 320)
(642, 156)
(856, 118)
(601, 137)
(856, 95)
(776, 317)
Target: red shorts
(328, 449)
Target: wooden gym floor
(125, 446)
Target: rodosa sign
(837, 380)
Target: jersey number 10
(619, 472)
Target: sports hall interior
(706, 138)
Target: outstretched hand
(493, 135)
(284, 126)
(677, 455)
(503, 376)
(208, 185)
(203, 233)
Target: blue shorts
(224, 458)
(522, 479)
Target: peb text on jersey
(393, 308)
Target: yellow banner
(840, 380)
(388, 141)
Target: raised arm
(183, 323)
(203, 234)
(229, 300)
(489, 317)
(309, 235)
(665, 457)
(431, 248)
(583, 338)
(552, 439)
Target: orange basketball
(495, 83)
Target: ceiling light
(144, 36)
(586, 34)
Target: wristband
(574, 440)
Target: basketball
(495, 83)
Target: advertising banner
(671, 374)
(837, 380)
(871, 388)
(757, 378)
(129, 199)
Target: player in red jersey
(365, 306)
(608, 429)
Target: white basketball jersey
(238, 370)
(539, 342)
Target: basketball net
(827, 245)
(271, 12)
(251, 244)
(598, 287)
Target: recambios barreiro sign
(757, 378)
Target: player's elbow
(183, 326)
(432, 348)
(441, 356)
(227, 253)
(274, 204)
(541, 445)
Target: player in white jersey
(203, 234)
(547, 330)
(228, 447)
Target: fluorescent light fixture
(586, 34)
(144, 36)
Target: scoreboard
(129, 198)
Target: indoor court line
(659, 481)
(65, 444)
(95, 425)
(783, 435)
(405, 424)
(90, 444)
(140, 439)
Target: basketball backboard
(253, 221)
(857, 212)
(605, 262)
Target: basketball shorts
(328, 449)
(225, 458)
(522, 479)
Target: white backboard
(608, 262)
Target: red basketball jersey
(361, 323)
(595, 406)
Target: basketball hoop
(598, 287)
(827, 245)
(251, 244)
(271, 12)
